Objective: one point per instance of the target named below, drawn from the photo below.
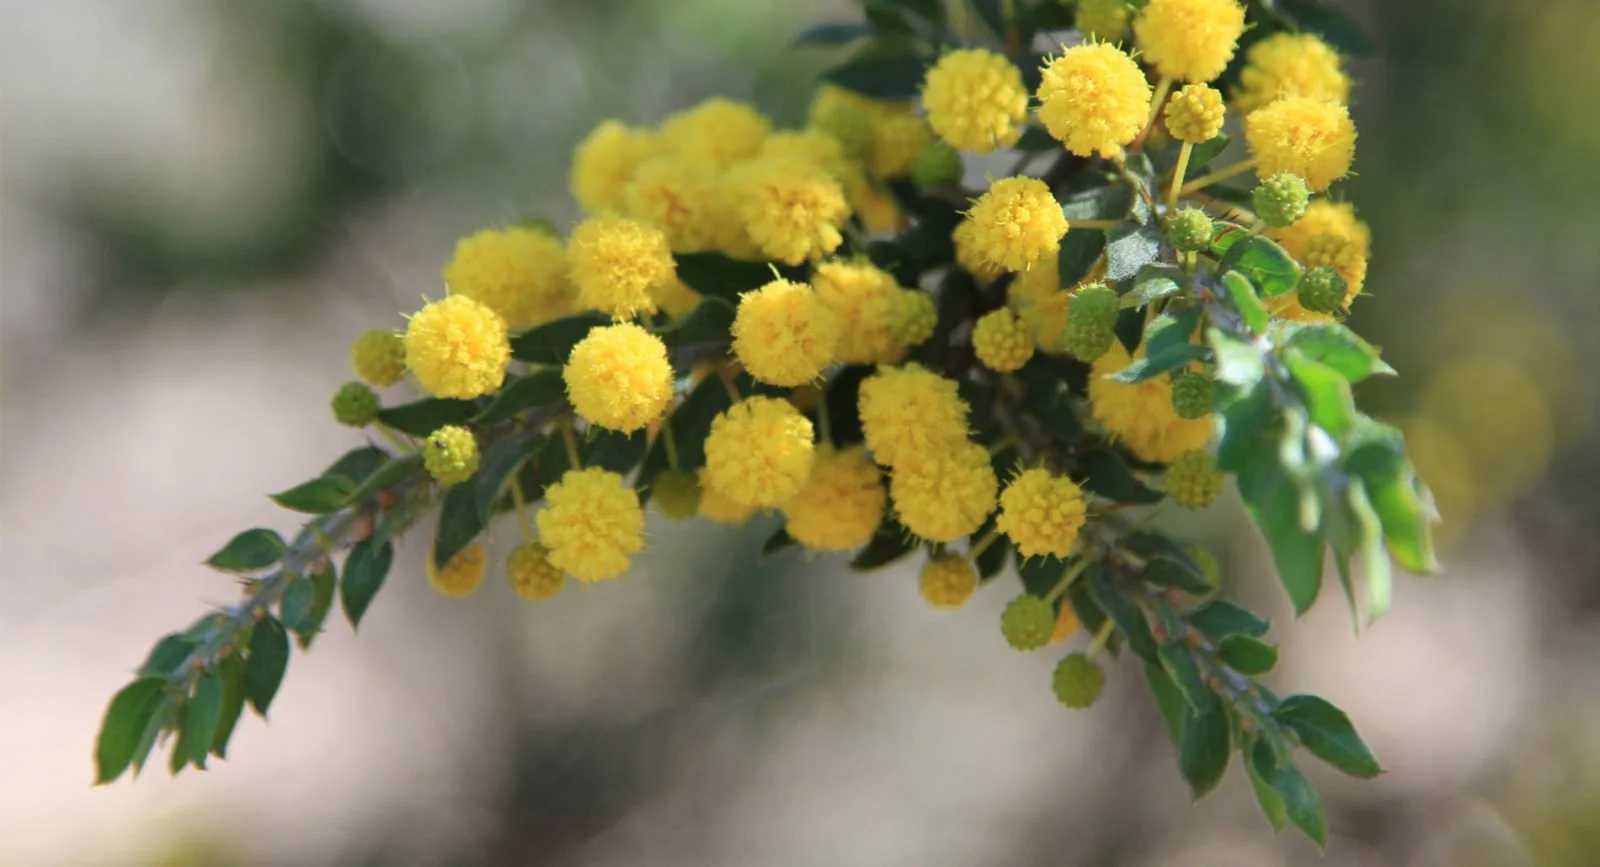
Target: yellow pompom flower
(616, 262)
(792, 209)
(592, 523)
(1189, 40)
(533, 577)
(718, 131)
(675, 298)
(1193, 479)
(456, 347)
(759, 452)
(830, 96)
(378, 358)
(1195, 114)
(1047, 319)
(783, 334)
(1140, 415)
(841, 504)
(969, 253)
(896, 144)
(677, 195)
(1093, 99)
(518, 273)
(1018, 222)
(810, 146)
(1345, 255)
(860, 296)
(1312, 138)
(948, 581)
(975, 100)
(912, 319)
(462, 574)
(618, 377)
(943, 497)
(1290, 64)
(1002, 342)
(1324, 217)
(909, 413)
(604, 162)
(715, 506)
(1041, 513)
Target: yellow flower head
(1324, 217)
(715, 506)
(896, 144)
(910, 413)
(811, 146)
(1195, 113)
(945, 496)
(759, 452)
(378, 358)
(912, 319)
(878, 210)
(1041, 513)
(1290, 64)
(948, 581)
(1193, 479)
(969, 253)
(1312, 138)
(841, 504)
(718, 131)
(592, 523)
(616, 262)
(1018, 223)
(533, 577)
(1094, 99)
(975, 100)
(830, 96)
(783, 334)
(1190, 40)
(677, 195)
(1102, 20)
(462, 574)
(1047, 319)
(618, 377)
(860, 296)
(1344, 254)
(675, 298)
(1140, 414)
(456, 347)
(792, 209)
(1002, 341)
(520, 274)
(604, 163)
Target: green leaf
(364, 572)
(1168, 564)
(422, 417)
(1179, 664)
(264, 668)
(1326, 393)
(1251, 310)
(318, 496)
(1219, 619)
(1336, 346)
(1273, 501)
(1374, 558)
(231, 673)
(615, 451)
(1377, 456)
(1166, 573)
(539, 388)
(717, 276)
(357, 464)
(1269, 267)
(710, 320)
(552, 342)
(1238, 363)
(127, 717)
(834, 33)
(1168, 700)
(1167, 347)
(1206, 151)
(1079, 251)
(1248, 656)
(1203, 757)
(1227, 235)
(1035, 140)
(1261, 776)
(200, 716)
(1111, 201)
(164, 718)
(1328, 733)
(1129, 249)
(169, 653)
(295, 606)
(1105, 473)
(250, 551)
(1301, 803)
(994, 557)
(691, 422)
(889, 544)
(500, 462)
(323, 584)
(1040, 575)
(1122, 611)
(459, 523)
(386, 476)
(1334, 26)
(1155, 282)
(892, 76)
(777, 542)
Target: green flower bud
(1027, 622)
(1087, 343)
(1095, 305)
(676, 494)
(1190, 230)
(1077, 681)
(355, 404)
(1322, 290)
(1193, 479)
(1281, 199)
(1102, 20)
(1191, 394)
(450, 454)
(851, 127)
(937, 164)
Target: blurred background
(203, 203)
